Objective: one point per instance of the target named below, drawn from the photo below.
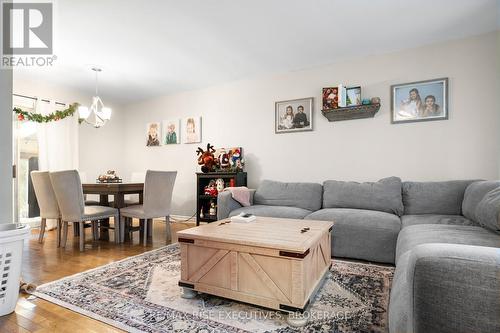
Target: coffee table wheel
(296, 319)
(188, 293)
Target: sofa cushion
(401, 298)
(384, 195)
(302, 195)
(408, 220)
(361, 234)
(474, 193)
(273, 211)
(488, 210)
(446, 288)
(434, 197)
(415, 235)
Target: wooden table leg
(126, 226)
(142, 226)
(76, 230)
(150, 228)
(104, 234)
(119, 203)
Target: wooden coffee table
(273, 263)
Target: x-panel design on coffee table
(274, 263)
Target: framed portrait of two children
(419, 101)
(294, 115)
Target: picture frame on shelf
(419, 101)
(353, 96)
(330, 98)
(294, 115)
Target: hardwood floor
(45, 262)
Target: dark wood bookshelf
(203, 201)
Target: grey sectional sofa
(443, 237)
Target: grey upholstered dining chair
(133, 199)
(69, 193)
(158, 188)
(93, 201)
(46, 198)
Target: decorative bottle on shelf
(201, 214)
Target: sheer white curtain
(57, 142)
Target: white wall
(242, 114)
(6, 213)
(99, 149)
(103, 149)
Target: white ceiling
(150, 48)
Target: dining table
(118, 191)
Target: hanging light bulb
(84, 112)
(97, 115)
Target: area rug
(140, 294)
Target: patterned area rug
(140, 294)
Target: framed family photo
(293, 115)
(419, 101)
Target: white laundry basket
(12, 237)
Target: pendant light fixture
(97, 115)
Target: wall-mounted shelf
(351, 112)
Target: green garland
(54, 116)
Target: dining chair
(69, 193)
(46, 198)
(89, 200)
(133, 199)
(158, 189)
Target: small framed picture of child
(419, 101)
(153, 134)
(294, 115)
(171, 135)
(191, 130)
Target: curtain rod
(34, 98)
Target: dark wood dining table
(118, 191)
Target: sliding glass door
(25, 160)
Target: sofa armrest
(226, 204)
(455, 288)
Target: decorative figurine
(223, 159)
(365, 101)
(109, 177)
(375, 100)
(206, 159)
(213, 209)
(211, 189)
(236, 161)
(219, 184)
